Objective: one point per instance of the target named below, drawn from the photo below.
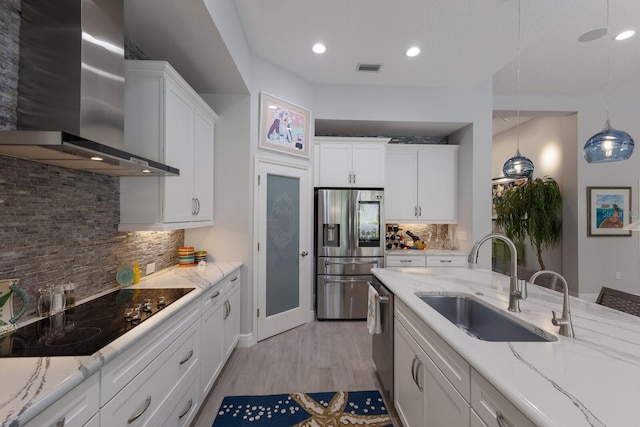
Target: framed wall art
(608, 210)
(284, 127)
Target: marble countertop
(589, 380)
(423, 252)
(31, 384)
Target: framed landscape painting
(608, 210)
(284, 127)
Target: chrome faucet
(566, 327)
(517, 287)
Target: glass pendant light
(608, 145)
(518, 166)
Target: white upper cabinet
(421, 183)
(166, 120)
(351, 162)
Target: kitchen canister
(200, 256)
(186, 256)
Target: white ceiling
(464, 43)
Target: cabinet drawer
(452, 365)
(143, 397)
(74, 409)
(446, 261)
(186, 406)
(124, 368)
(492, 407)
(405, 261)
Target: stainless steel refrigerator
(349, 242)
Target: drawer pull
(186, 359)
(147, 403)
(60, 422)
(234, 279)
(215, 295)
(502, 422)
(186, 411)
(445, 260)
(227, 309)
(406, 260)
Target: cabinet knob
(303, 254)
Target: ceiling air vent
(369, 67)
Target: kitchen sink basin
(482, 321)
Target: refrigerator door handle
(376, 262)
(342, 280)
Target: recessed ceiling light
(624, 35)
(319, 48)
(413, 51)
(592, 35)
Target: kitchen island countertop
(589, 380)
(31, 384)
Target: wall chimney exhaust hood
(71, 90)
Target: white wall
(543, 140)
(592, 262)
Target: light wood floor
(316, 357)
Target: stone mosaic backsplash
(59, 225)
(435, 236)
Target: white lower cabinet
(79, 407)
(220, 330)
(163, 378)
(231, 318)
(423, 395)
(212, 340)
(435, 386)
(187, 404)
(492, 407)
(140, 403)
(452, 260)
(405, 261)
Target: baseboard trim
(246, 340)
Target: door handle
(305, 253)
(351, 263)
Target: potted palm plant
(532, 210)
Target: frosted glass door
(283, 249)
(284, 265)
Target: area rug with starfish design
(342, 408)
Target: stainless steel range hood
(71, 89)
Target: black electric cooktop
(86, 328)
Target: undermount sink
(480, 320)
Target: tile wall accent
(59, 225)
(429, 233)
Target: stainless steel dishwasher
(383, 342)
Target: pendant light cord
(608, 89)
(518, 87)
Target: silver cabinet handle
(227, 309)
(186, 411)
(60, 422)
(354, 177)
(193, 206)
(418, 365)
(197, 206)
(406, 260)
(234, 278)
(419, 210)
(139, 414)
(215, 295)
(501, 420)
(446, 260)
(304, 253)
(415, 210)
(186, 359)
